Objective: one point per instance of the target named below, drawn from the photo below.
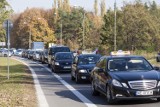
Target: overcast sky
(21, 5)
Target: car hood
(89, 66)
(135, 75)
(64, 60)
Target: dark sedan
(125, 77)
(62, 62)
(30, 54)
(44, 56)
(82, 66)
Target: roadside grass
(18, 90)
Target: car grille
(65, 63)
(143, 84)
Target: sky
(21, 5)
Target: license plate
(150, 92)
(67, 67)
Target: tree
(31, 23)
(96, 7)
(66, 6)
(5, 11)
(59, 4)
(107, 32)
(133, 28)
(103, 8)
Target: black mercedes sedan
(62, 62)
(82, 66)
(124, 78)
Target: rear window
(64, 56)
(60, 49)
(83, 60)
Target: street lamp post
(7, 24)
(30, 34)
(115, 24)
(83, 30)
(61, 33)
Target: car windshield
(128, 64)
(60, 49)
(63, 56)
(88, 60)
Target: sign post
(7, 24)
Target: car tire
(157, 59)
(52, 69)
(109, 96)
(49, 65)
(77, 79)
(43, 62)
(158, 99)
(93, 90)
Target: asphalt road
(60, 91)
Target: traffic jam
(119, 76)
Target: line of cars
(119, 76)
(61, 59)
(4, 52)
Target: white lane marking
(40, 95)
(86, 101)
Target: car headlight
(116, 83)
(56, 63)
(125, 85)
(158, 84)
(83, 71)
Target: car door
(49, 56)
(102, 74)
(96, 72)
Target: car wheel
(52, 69)
(42, 62)
(94, 91)
(49, 65)
(157, 59)
(109, 96)
(158, 99)
(77, 79)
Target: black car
(53, 50)
(44, 56)
(30, 54)
(125, 77)
(62, 62)
(82, 66)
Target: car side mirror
(156, 68)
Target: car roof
(88, 55)
(58, 46)
(123, 56)
(63, 52)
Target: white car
(5, 53)
(18, 53)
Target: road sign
(9, 22)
